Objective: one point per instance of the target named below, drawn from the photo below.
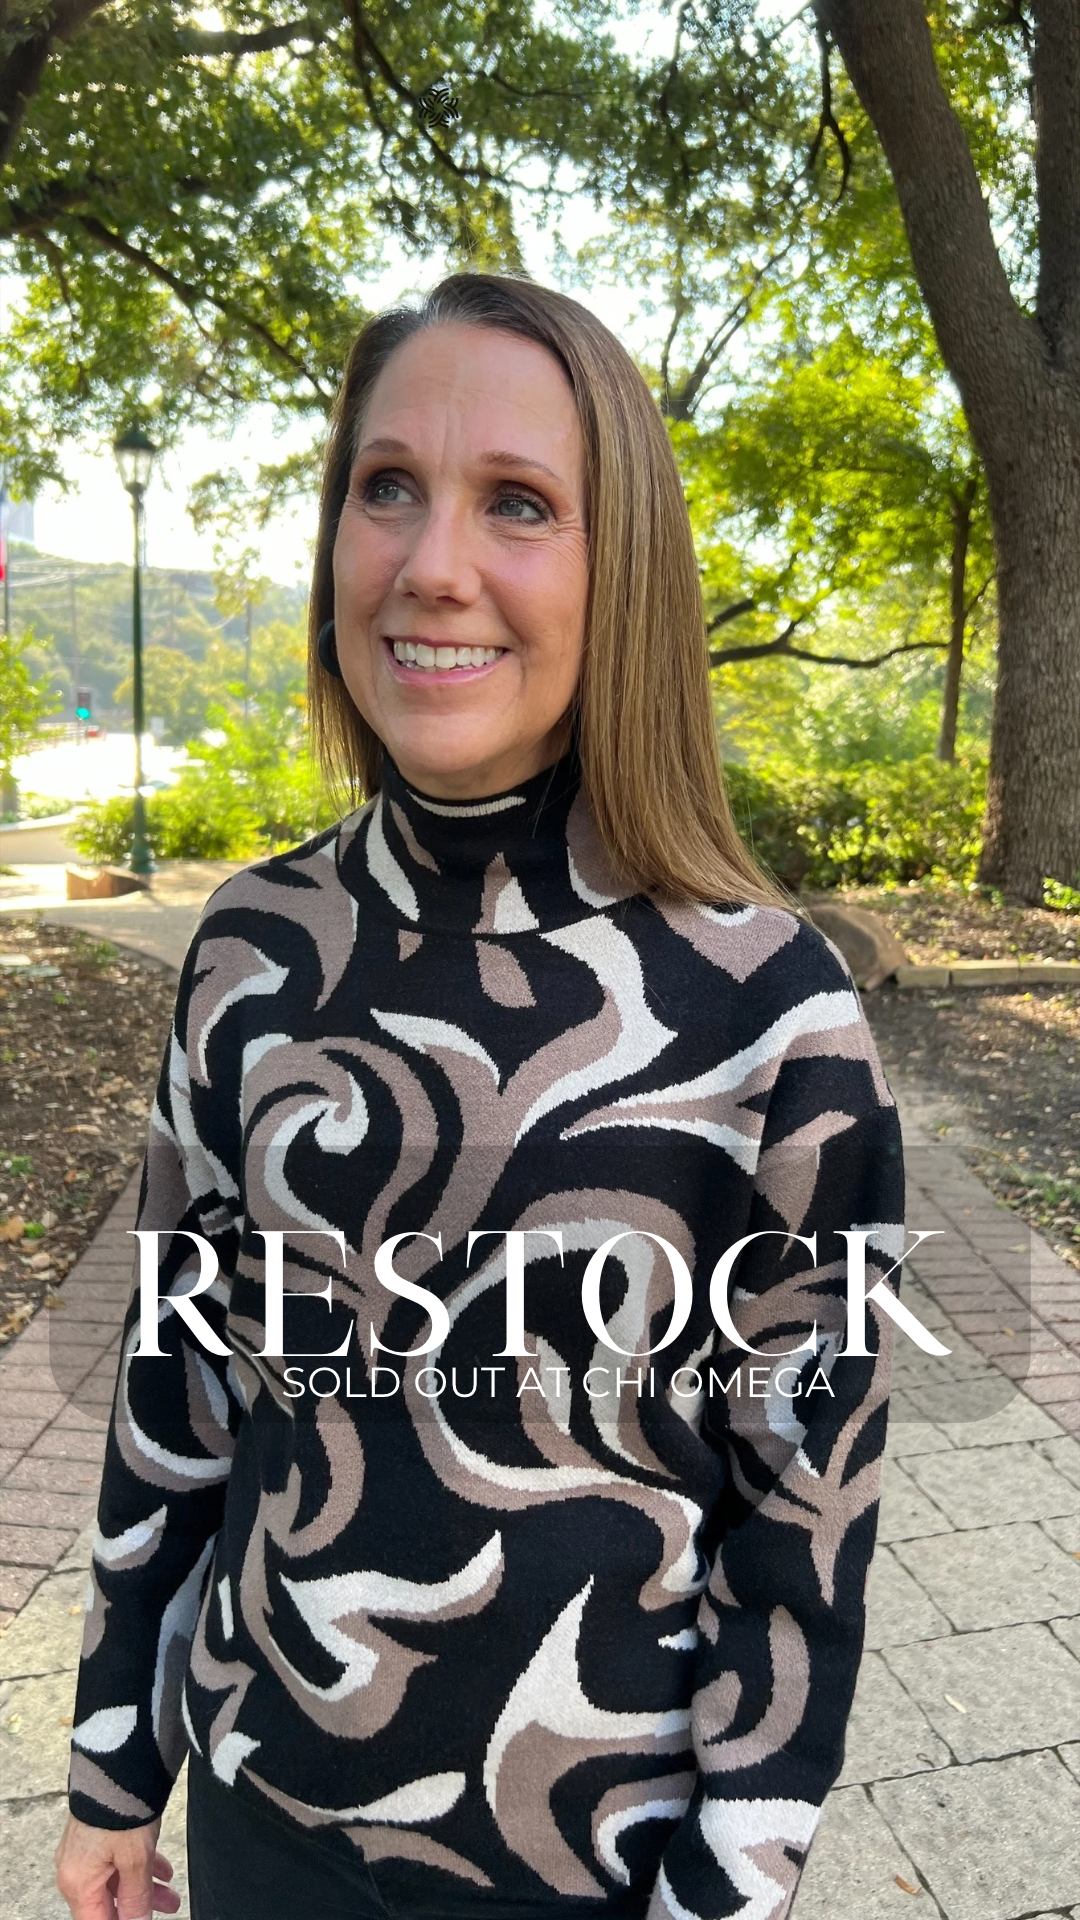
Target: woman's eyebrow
(384, 443)
(522, 463)
(496, 457)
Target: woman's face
(464, 528)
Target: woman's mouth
(419, 656)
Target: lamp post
(134, 459)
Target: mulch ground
(1010, 1059)
(938, 924)
(83, 1027)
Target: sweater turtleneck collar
(511, 863)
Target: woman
(576, 1630)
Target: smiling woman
(463, 533)
(498, 475)
(537, 1647)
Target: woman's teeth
(435, 659)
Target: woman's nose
(439, 563)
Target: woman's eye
(521, 507)
(384, 490)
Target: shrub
(197, 819)
(103, 830)
(876, 823)
(254, 792)
(42, 806)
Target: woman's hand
(107, 1875)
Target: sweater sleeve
(170, 1439)
(781, 1620)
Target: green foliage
(835, 478)
(80, 617)
(104, 832)
(255, 792)
(1061, 898)
(42, 806)
(794, 716)
(266, 758)
(194, 212)
(24, 701)
(869, 825)
(181, 690)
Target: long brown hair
(643, 719)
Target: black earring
(327, 645)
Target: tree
(194, 211)
(1017, 367)
(24, 704)
(27, 42)
(844, 477)
(953, 168)
(182, 690)
(822, 471)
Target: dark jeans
(244, 1864)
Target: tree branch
(680, 404)
(535, 93)
(828, 123)
(731, 613)
(60, 199)
(767, 40)
(780, 647)
(202, 40)
(23, 68)
(1055, 72)
(759, 649)
(365, 47)
(663, 99)
(192, 296)
(992, 351)
(979, 594)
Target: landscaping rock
(869, 946)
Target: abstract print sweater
(576, 1630)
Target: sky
(92, 521)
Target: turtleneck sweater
(553, 1603)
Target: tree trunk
(954, 666)
(26, 56)
(1032, 829)
(1019, 379)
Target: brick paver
(962, 1776)
(43, 1512)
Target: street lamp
(134, 459)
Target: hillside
(80, 615)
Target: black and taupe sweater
(538, 1633)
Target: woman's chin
(463, 763)
(453, 757)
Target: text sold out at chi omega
(153, 1305)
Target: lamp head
(135, 454)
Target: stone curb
(991, 973)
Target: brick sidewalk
(962, 1778)
(1002, 1286)
(56, 1388)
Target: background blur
(200, 206)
